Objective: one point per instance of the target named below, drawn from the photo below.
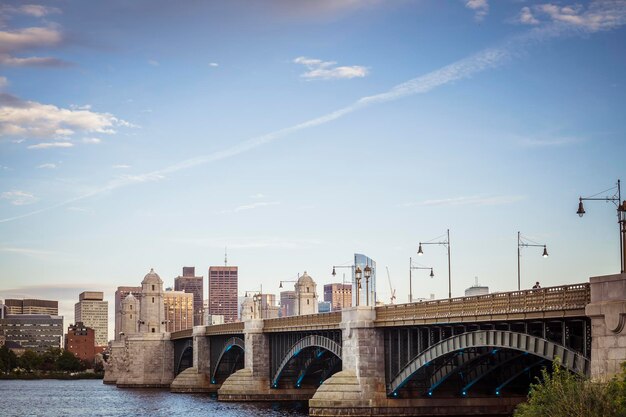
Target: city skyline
(297, 134)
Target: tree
(49, 359)
(8, 359)
(69, 362)
(30, 360)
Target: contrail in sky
(486, 59)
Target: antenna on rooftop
(225, 256)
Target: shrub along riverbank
(563, 394)
(52, 364)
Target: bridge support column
(607, 311)
(197, 378)
(252, 383)
(114, 366)
(359, 389)
(147, 361)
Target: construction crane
(393, 291)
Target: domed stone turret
(306, 295)
(152, 310)
(130, 315)
(247, 309)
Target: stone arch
(317, 341)
(232, 343)
(185, 359)
(571, 360)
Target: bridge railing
(548, 301)
(226, 328)
(181, 334)
(319, 321)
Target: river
(56, 398)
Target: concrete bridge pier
(359, 388)
(197, 378)
(607, 311)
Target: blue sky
(154, 134)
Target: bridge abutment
(197, 378)
(607, 311)
(359, 389)
(147, 361)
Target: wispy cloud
(48, 145)
(480, 8)
(92, 141)
(18, 197)
(3, 82)
(597, 16)
(465, 68)
(476, 200)
(550, 142)
(213, 64)
(154, 63)
(526, 17)
(257, 196)
(253, 206)
(252, 242)
(26, 39)
(30, 119)
(328, 70)
(121, 166)
(26, 251)
(47, 166)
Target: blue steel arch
(233, 342)
(180, 349)
(306, 342)
(522, 342)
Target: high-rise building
(120, 295)
(37, 332)
(338, 295)
(93, 311)
(80, 340)
(287, 303)
(223, 292)
(178, 310)
(190, 283)
(367, 290)
(31, 306)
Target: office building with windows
(190, 283)
(93, 311)
(223, 282)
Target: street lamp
(621, 217)
(522, 242)
(343, 282)
(411, 268)
(445, 243)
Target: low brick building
(80, 340)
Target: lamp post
(522, 242)
(280, 285)
(445, 243)
(411, 268)
(343, 282)
(621, 217)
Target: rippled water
(53, 398)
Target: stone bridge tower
(152, 311)
(306, 295)
(130, 315)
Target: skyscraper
(367, 290)
(192, 284)
(93, 311)
(223, 292)
(120, 296)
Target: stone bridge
(443, 357)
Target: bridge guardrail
(181, 334)
(551, 301)
(319, 321)
(226, 328)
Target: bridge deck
(321, 321)
(551, 302)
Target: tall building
(120, 295)
(306, 295)
(190, 283)
(37, 332)
(80, 340)
(152, 307)
(287, 303)
(179, 314)
(367, 290)
(31, 306)
(338, 295)
(93, 311)
(223, 292)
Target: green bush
(563, 394)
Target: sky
(155, 134)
